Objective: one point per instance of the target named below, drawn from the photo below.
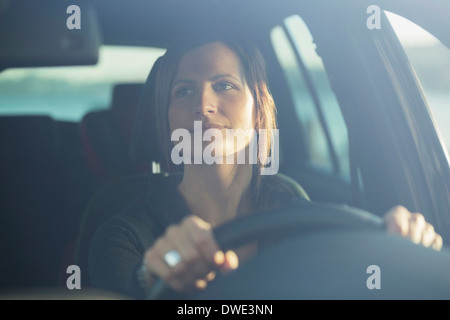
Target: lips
(210, 125)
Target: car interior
(60, 179)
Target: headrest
(144, 144)
(126, 95)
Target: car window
(68, 93)
(430, 60)
(314, 101)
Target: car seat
(122, 179)
(110, 200)
(106, 135)
(31, 209)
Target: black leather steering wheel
(300, 217)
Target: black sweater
(118, 246)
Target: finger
(201, 235)
(154, 259)
(203, 283)
(417, 226)
(397, 220)
(189, 269)
(173, 276)
(210, 276)
(437, 243)
(231, 262)
(199, 261)
(219, 258)
(428, 235)
(194, 243)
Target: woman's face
(210, 86)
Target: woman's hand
(200, 256)
(412, 225)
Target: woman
(219, 79)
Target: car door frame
(401, 159)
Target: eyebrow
(225, 75)
(216, 77)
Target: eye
(183, 92)
(223, 86)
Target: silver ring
(172, 258)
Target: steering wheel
(300, 217)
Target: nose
(207, 103)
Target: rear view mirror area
(48, 33)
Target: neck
(217, 193)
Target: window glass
(312, 96)
(430, 60)
(67, 93)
